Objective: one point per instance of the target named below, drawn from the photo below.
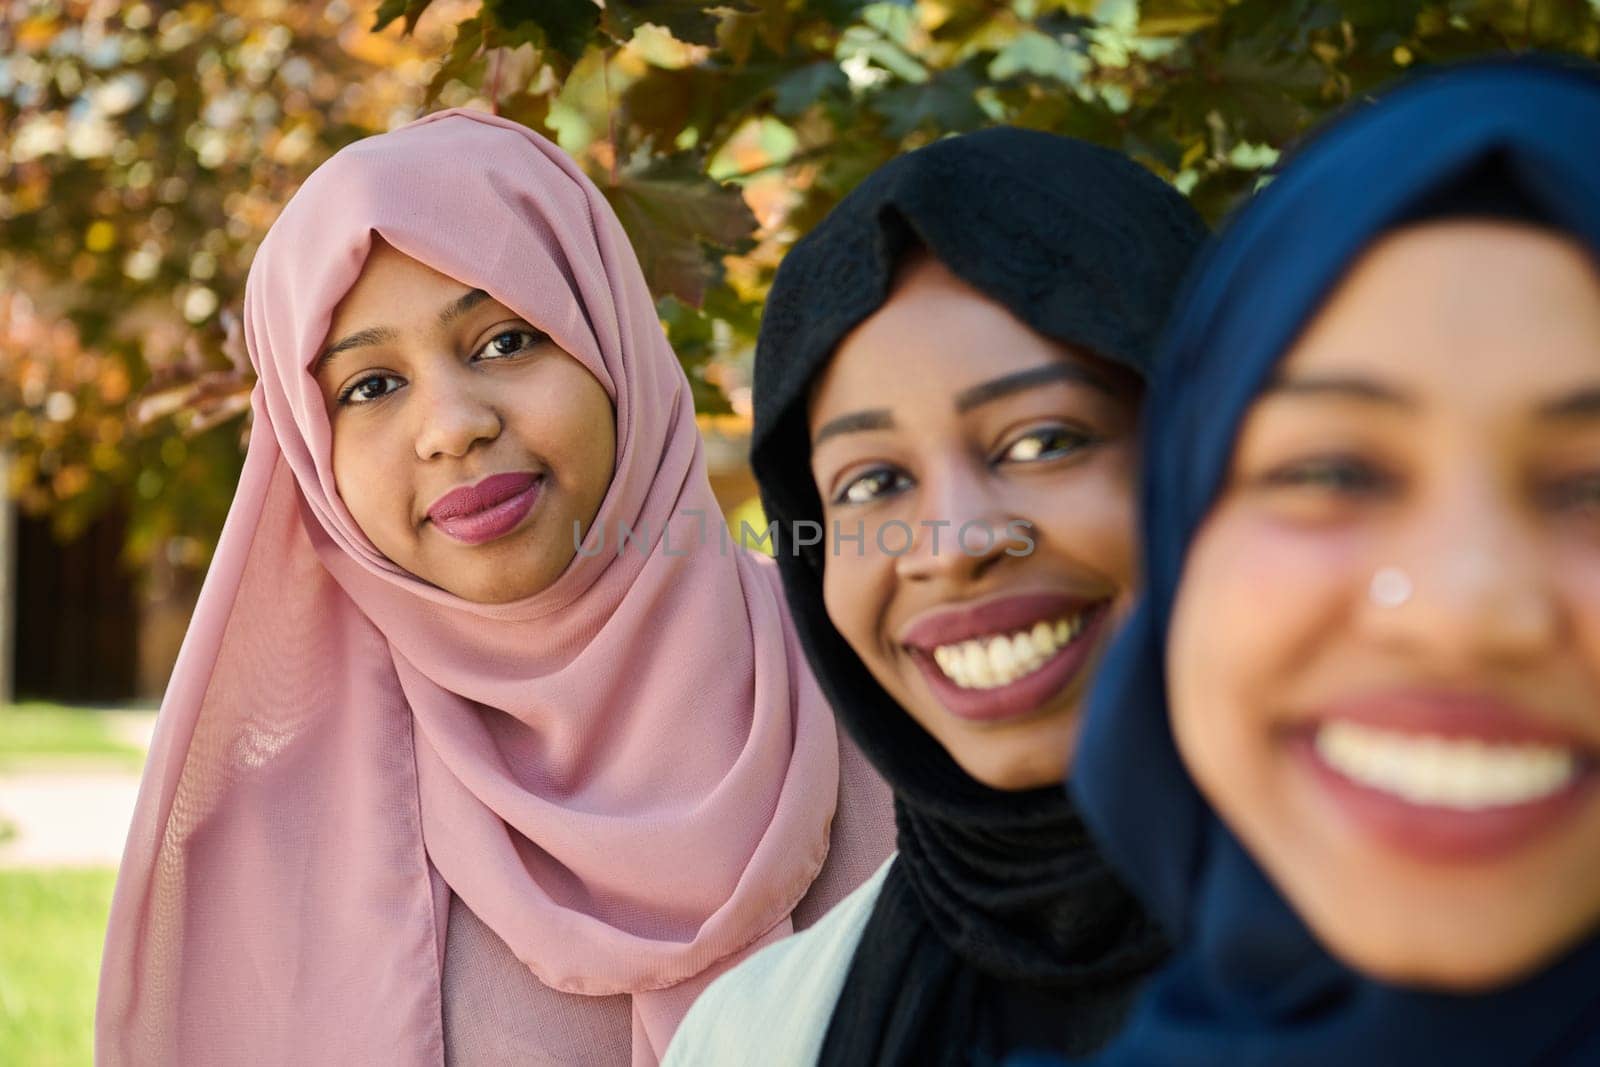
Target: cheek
(368, 478)
(1577, 565)
(567, 419)
(597, 422)
(596, 450)
(1091, 520)
(849, 580)
(1260, 608)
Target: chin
(1030, 766)
(1458, 967)
(1034, 753)
(491, 590)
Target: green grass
(52, 924)
(35, 732)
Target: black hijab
(998, 927)
(1250, 984)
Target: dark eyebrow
(461, 306)
(374, 335)
(1579, 404)
(377, 335)
(968, 399)
(855, 422)
(1345, 388)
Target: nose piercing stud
(1390, 587)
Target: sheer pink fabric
(628, 777)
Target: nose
(455, 413)
(963, 527)
(1480, 588)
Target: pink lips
(952, 625)
(1449, 714)
(1437, 833)
(1032, 691)
(476, 514)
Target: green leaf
(464, 52)
(691, 332)
(1041, 55)
(946, 102)
(704, 98)
(562, 27)
(688, 328)
(1174, 18)
(672, 213)
(688, 20)
(390, 10)
(837, 12)
(860, 42)
(529, 109)
(799, 89)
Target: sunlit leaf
(168, 141)
(671, 212)
(800, 88)
(390, 10)
(529, 109)
(466, 49)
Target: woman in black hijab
(947, 392)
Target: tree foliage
(146, 147)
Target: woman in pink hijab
(446, 771)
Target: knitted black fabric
(999, 927)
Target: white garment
(774, 1008)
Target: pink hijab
(629, 776)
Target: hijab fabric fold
(1251, 985)
(997, 908)
(629, 776)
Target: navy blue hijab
(1251, 985)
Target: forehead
(393, 285)
(1461, 306)
(933, 337)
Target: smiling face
(1385, 656)
(949, 435)
(466, 443)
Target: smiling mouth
(1461, 774)
(1447, 777)
(997, 660)
(1007, 659)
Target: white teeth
(1468, 775)
(1024, 654)
(990, 662)
(976, 662)
(1044, 638)
(1000, 658)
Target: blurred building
(75, 612)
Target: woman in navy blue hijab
(1346, 750)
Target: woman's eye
(1335, 474)
(511, 343)
(1577, 493)
(871, 486)
(372, 387)
(1047, 443)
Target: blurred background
(146, 147)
